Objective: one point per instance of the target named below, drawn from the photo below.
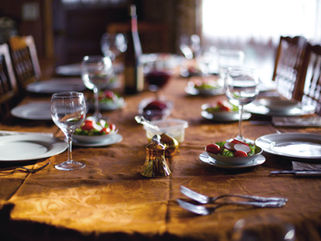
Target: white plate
(39, 110)
(259, 109)
(204, 157)
(56, 85)
(75, 69)
(29, 147)
(190, 90)
(224, 116)
(92, 139)
(296, 145)
(107, 106)
(108, 141)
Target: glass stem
(240, 121)
(69, 141)
(96, 95)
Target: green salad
(233, 148)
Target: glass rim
(66, 94)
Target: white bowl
(92, 139)
(277, 104)
(236, 160)
(172, 127)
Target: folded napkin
(297, 121)
(305, 166)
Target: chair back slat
(288, 65)
(310, 89)
(8, 84)
(25, 60)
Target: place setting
(279, 106)
(204, 87)
(222, 111)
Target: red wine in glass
(157, 79)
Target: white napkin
(295, 121)
(305, 166)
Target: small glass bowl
(172, 127)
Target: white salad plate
(206, 158)
(278, 108)
(39, 110)
(75, 69)
(295, 145)
(111, 139)
(56, 85)
(110, 105)
(191, 90)
(223, 116)
(29, 147)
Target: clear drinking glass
(97, 72)
(113, 44)
(190, 46)
(229, 58)
(263, 228)
(241, 89)
(68, 111)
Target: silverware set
(249, 200)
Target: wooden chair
(309, 90)
(288, 65)
(25, 60)
(8, 84)
(153, 36)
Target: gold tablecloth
(110, 200)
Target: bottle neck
(134, 23)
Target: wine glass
(190, 45)
(229, 58)
(241, 89)
(68, 111)
(263, 228)
(97, 73)
(157, 75)
(113, 44)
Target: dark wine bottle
(133, 74)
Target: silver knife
(311, 173)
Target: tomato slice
(213, 148)
(88, 125)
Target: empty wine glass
(229, 58)
(113, 44)
(262, 228)
(68, 111)
(97, 73)
(241, 89)
(190, 46)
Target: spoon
(141, 120)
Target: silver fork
(203, 199)
(202, 210)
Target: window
(256, 26)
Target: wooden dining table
(110, 200)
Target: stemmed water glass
(113, 44)
(190, 46)
(97, 73)
(68, 111)
(229, 58)
(241, 89)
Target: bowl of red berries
(233, 152)
(155, 109)
(93, 131)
